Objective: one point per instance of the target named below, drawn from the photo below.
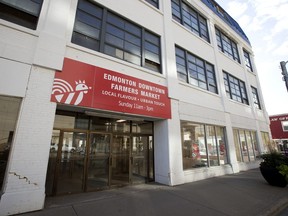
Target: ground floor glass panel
(203, 145)
(246, 145)
(110, 155)
(9, 109)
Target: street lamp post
(284, 73)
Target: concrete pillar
(24, 186)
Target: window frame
(246, 151)
(118, 41)
(213, 148)
(235, 88)
(247, 60)
(178, 14)
(154, 3)
(256, 99)
(227, 45)
(284, 125)
(188, 65)
(17, 14)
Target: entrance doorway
(88, 160)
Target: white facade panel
(142, 13)
(199, 97)
(17, 45)
(197, 113)
(14, 78)
(183, 37)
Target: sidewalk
(241, 194)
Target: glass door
(142, 159)
(119, 161)
(98, 161)
(50, 190)
(70, 162)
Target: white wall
(14, 78)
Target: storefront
(279, 131)
(103, 129)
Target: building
(279, 131)
(103, 93)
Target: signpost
(284, 73)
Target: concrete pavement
(242, 194)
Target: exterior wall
(28, 60)
(277, 128)
(30, 150)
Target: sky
(265, 22)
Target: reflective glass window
(102, 30)
(196, 71)
(9, 109)
(24, 12)
(190, 18)
(256, 100)
(203, 145)
(235, 88)
(221, 144)
(246, 145)
(212, 146)
(227, 45)
(247, 59)
(155, 3)
(237, 145)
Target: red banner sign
(90, 86)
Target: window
(24, 12)
(247, 60)
(235, 88)
(190, 18)
(203, 145)
(246, 145)
(195, 71)
(256, 100)
(268, 145)
(284, 125)
(9, 108)
(155, 3)
(101, 30)
(227, 46)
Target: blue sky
(265, 22)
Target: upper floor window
(256, 98)
(190, 18)
(235, 88)
(101, 30)
(24, 12)
(247, 60)
(195, 71)
(227, 46)
(155, 3)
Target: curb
(277, 209)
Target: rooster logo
(64, 93)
